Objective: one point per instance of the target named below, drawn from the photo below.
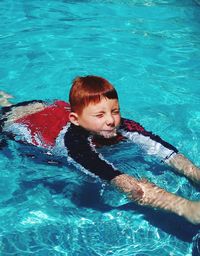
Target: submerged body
(91, 120)
(48, 126)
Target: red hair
(89, 89)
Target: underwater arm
(140, 191)
(84, 155)
(146, 193)
(154, 145)
(184, 166)
(151, 143)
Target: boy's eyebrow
(117, 108)
(103, 111)
(98, 112)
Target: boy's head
(94, 105)
(89, 90)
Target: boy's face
(102, 118)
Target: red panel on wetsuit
(47, 123)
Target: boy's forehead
(103, 103)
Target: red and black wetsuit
(50, 128)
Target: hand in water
(151, 195)
(192, 212)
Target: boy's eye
(116, 112)
(99, 115)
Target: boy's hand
(185, 167)
(192, 212)
(146, 193)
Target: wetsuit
(50, 128)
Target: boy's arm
(154, 145)
(84, 155)
(148, 194)
(185, 167)
(151, 143)
(140, 191)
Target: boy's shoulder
(131, 125)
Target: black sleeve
(81, 151)
(153, 144)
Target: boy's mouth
(108, 133)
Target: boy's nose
(110, 120)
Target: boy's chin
(108, 135)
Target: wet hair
(89, 89)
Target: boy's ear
(73, 117)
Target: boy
(93, 119)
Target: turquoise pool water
(150, 51)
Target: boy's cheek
(95, 125)
(118, 120)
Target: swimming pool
(150, 51)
